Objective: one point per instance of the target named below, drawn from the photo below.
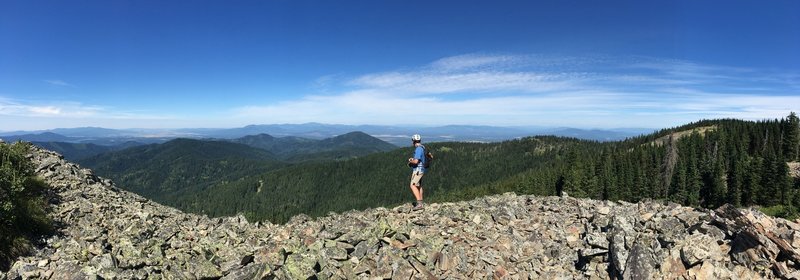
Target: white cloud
(535, 90)
(29, 115)
(473, 61)
(487, 90)
(58, 83)
(61, 110)
(46, 110)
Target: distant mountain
(280, 146)
(397, 135)
(169, 170)
(356, 140)
(78, 151)
(294, 149)
(39, 137)
(92, 132)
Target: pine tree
(679, 185)
(782, 180)
(735, 183)
(770, 195)
(791, 137)
(751, 191)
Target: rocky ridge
(108, 233)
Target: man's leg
(416, 191)
(416, 188)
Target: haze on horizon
(609, 64)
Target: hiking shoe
(417, 207)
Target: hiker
(417, 164)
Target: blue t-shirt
(419, 154)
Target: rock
(203, 269)
(106, 232)
(699, 247)
(246, 260)
(641, 262)
(250, 271)
(597, 239)
(622, 233)
(299, 266)
(670, 229)
(403, 271)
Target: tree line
(705, 164)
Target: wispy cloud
(58, 83)
(535, 89)
(31, 115)
(473, 61)
(62, 110)
(596, 91)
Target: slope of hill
(38, 137)
(79, 151)
(163, 172)
(738, 162)
(109, 233)
(295, 149)
(171, 171)
(379, 179)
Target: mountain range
(707, 163)
(167, 171)
(397, 135)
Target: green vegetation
(22, 206)
(165, 172)
(705, 164)
(169, 172)
(75, 151)
(297, 149)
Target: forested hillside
(167, 172)
(298, 149)
(79, 151)
(707, 163)
(164, 172)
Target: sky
(583, 64)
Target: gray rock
(250, 271)
(597, 239)
(300, 266)
(110, 233)
(641, 263)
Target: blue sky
(587, 64)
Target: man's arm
(418, 154)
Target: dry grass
(680, 134)
(794, 169)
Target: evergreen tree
(752, 191)
(735, 183)
(769, 181)
(783, 181)
(791, 137)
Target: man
(417, 164)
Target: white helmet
(416, 137)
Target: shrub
(23, 215)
